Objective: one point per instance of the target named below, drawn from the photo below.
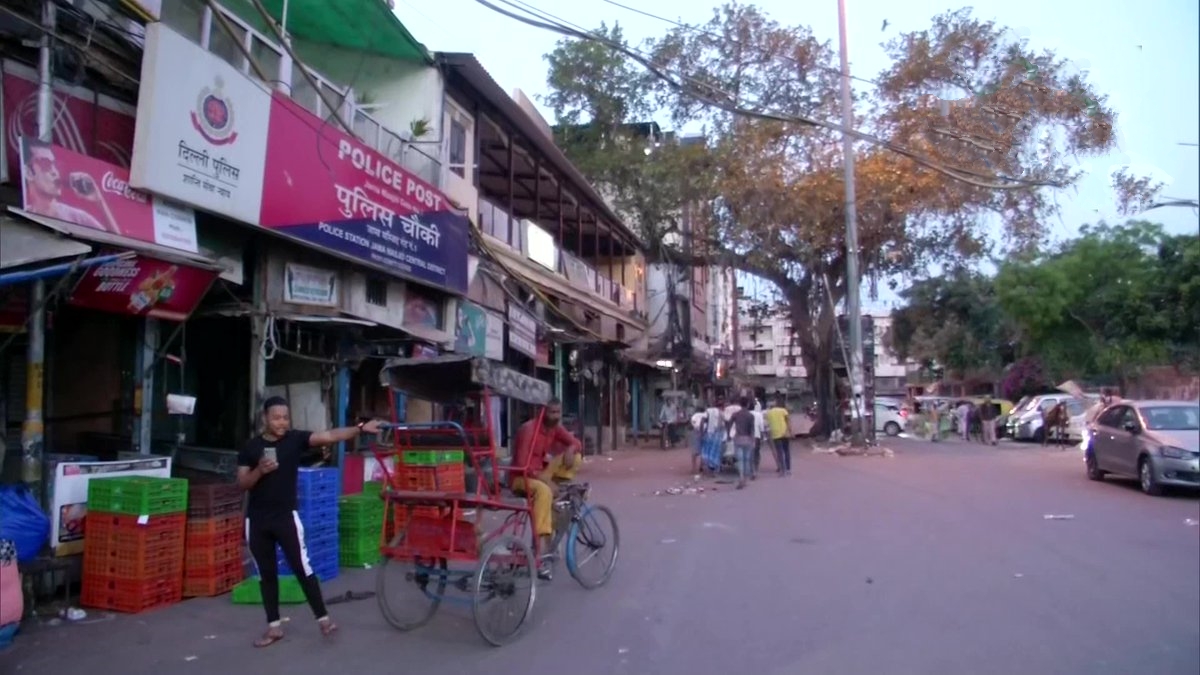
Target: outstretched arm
(330, 436)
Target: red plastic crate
(205, 557)
(131, 597)
(117, 562)
(215, 570)
(211, 586)
(227, 538)
(117, 531)
(441, 478)
(216, 525)
(430, 538)
(213, 499)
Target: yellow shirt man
(777, 422)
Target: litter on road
(1191, 522)
(1051, 516)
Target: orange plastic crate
(441, 478)
(211, 586)
(122, 531)
(124, 595)
(199, 527)
(118, 562)
(204, 557)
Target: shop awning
(357, 25)
(290, 316)
(448, 377)
(108, 239)
(23, 243)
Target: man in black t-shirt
(268, 467)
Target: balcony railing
(405, 153)
(513, 233)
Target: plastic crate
(138, 495)
(122, 531)
(132, 562)
(130, 596)
(359, 553)
(318, 476)
(248, 592)
(440, 478)
(327, 571)
(372, 488)
(212, 586)
(431, 457)
(227, 538)
(198, 558)
(430, 538)
(200, 527)
(214, 499)
(215, 570)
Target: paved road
(938, 560)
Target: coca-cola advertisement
(88, 192)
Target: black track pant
(263, 532)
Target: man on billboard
(44, 195)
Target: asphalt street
(937, 560)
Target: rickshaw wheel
(504, 590)
(587, 541)
(429, 577)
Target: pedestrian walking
(760, 434)
(964, 420)
(268, 467)
(697, 430)
(714, 437)
(781, 442)
(987, 419)
(742, 427)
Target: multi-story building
(771, 356)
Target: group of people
(744, 425)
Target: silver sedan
(1157, 442)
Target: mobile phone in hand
(269, 454)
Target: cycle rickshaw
(472, 543)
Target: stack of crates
(317, 492)
(215, 536)
(133, 548)
(360, 524)
(426, 470)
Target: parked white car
(890, 417)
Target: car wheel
(1146, 478)
(891, 429)
(1093, 466)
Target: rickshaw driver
(553, 452)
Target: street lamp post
(853, 310)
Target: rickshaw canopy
(447, 378)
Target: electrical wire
(693, 88)
(701, 31)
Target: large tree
(934, 181)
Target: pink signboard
(84, 123)
(328, 189)
(85, 191)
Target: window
(377, 291)
(303, 92)
(759, 357)
(185, 17)
(1112, 417)
(1129, 417)
(228, 47)
(458, 147)
(267, 58)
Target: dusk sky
(1144, 55)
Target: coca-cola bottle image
(83, 184)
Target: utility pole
(34, 427)
(853, 311)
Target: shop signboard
(494, 341)
(201, 128)
(326, 188)
(91, 193)
(471, 329)
(85, 122)
(68, 507)
(522, 331)
(143, 287)
(304, 285)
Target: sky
(1144, 55)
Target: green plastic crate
(249, 593)
(432, 457)
(359, 553)
(372, 488)
(138, 495)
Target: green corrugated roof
(360, 25)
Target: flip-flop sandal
(269, 638)
(327, 627)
